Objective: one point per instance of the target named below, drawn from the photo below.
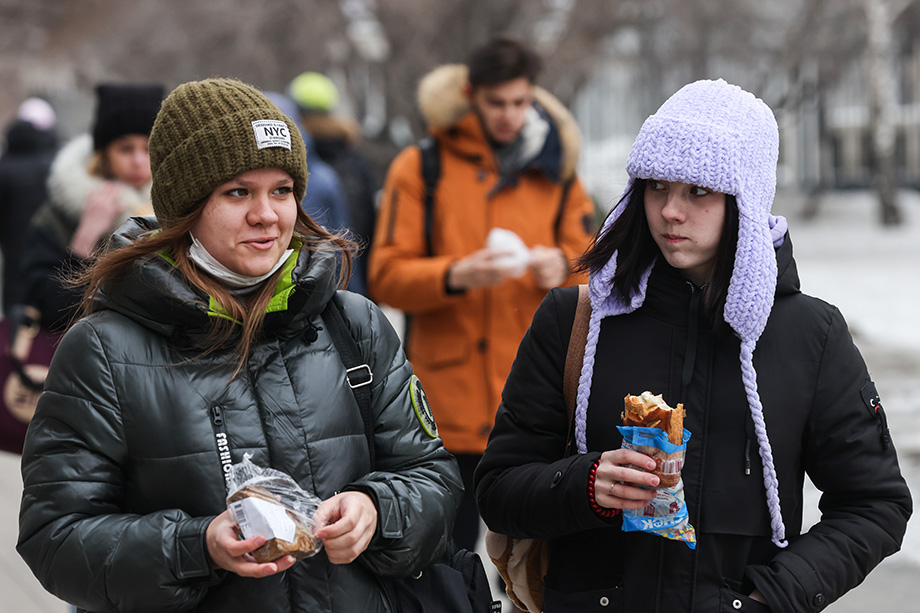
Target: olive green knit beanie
(208, 132)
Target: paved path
(21, 591)
(892, 587)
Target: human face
(686, 222)
(247, 222)
(502, 108)
(129, 160)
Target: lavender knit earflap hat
(718, 136)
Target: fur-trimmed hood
(443, 103)
(70, 183)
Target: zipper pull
(217, 416)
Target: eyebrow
(245, 183)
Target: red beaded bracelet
(602, 511)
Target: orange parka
(462, 345)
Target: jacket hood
(70, 183)
(443, 104)
(152, 293)
(787, 277)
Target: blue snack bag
(666, 513)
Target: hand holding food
(650, 411)
(653, 428)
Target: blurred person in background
(30, 145)
(96, 181)
(336, 137)
(507, 154)
(325, 201)
(205, 338)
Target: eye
(236, 192)
(696, 190)
(655, 185)
(284, 190)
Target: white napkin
(516, 255)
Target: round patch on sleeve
(422, 408)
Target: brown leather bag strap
(574, 356)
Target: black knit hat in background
(124, 109)
(208, 132)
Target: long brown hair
(244, 313)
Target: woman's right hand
(619, 484)
(230, 553)
(103, 207)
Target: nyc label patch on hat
(422, 408)
(271, 133)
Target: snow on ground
(872, 274)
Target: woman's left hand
(347, 522)
(549, 265)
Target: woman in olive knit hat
(205, 337)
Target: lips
(261, 243)
(673, 238)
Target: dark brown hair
(502, 59)
(631, 238)
(247, 313)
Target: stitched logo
(271, 133)
(422, 408)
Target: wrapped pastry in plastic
(666, 513)
(268, 503)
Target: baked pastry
(304, 544)
(650, 411)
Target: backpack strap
(574, 357)
(358, 373)
(431, 172)
(557, 224)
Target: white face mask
(198, 254)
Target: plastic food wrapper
(267, 502)
(666, 513)
(517, 257)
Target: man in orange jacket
(507, 152)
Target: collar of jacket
(444, 107)
(668, 294)
(151, 293)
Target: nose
(673, 208)
(261, 211)
(141, 159)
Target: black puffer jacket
(122, 473)
(817, 398)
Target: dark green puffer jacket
(121, 468)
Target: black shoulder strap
(358, 374)
(431, 172)
(557, 226)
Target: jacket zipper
(693, 325)
(216, 414)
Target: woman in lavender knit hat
(694, 295)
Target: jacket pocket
(731, 601)
(438, 346)
(608, 600)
